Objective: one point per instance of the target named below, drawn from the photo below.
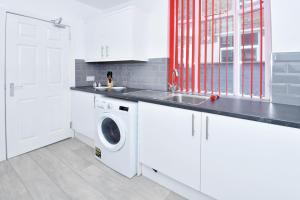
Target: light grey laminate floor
(68, 170)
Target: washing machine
(116, 137)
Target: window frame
(236, 11)
(267, 52)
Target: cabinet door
(168, 142)
(248, 160)
(119, 35)
(95, 41)
(83, 113)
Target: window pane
(252, 67)
(227, 55)
(248, 38)
(247, 54)
(224, 42)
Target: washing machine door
(111, 132)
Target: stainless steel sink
(187, 99)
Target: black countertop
(278, 114)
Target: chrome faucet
(173, 86)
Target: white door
(36, 84)
(247, 160)
(170, 142)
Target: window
(224, 41)
(247, 54)
(227, 54)
(248, 38)
(218, 47)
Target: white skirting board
(86, 140)
(173, 185)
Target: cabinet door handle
(102, 53)
(193, 124)
(207, 127)
(107, 51)
(94, 101)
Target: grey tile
(286, 57)
(279, 89)
(280, 67)
(144, 75)
(286, 78)
(294, 90)
(294, 67)
(284, 99)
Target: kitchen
(132, 99)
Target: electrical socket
(90, 78)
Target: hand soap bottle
(110, 82)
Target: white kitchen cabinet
(170, 142)
(83, 113)
(249, 160)
(114, 36)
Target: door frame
(71, 67)
(2, 85)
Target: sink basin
(187, 99)
(101, 88)
(104, 88)
(118, 88)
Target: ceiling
(103, 4)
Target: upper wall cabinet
(116, 36)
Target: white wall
(155, 19)
(73, 13)
(285, 26)
(157, 24)
(2, 108)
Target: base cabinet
(170, 142)
(248, 160)
(83, 113)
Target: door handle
(13, 87)
(193, 124)
(207, 127)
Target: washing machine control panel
(104, 105)
(107, 105)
